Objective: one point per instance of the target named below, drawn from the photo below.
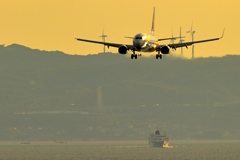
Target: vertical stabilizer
(153, 22)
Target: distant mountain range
(33, 81)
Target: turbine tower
(192, 34)
(181, 40)
(103, 36)
(172, 39)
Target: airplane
(148, 43)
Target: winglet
(74, 34)
(222, 33)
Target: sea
(120, 150)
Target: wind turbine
(172, 39)
(181, 40)
(103, 36)
(192, 34)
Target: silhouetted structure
(192, 35)
(103, 36)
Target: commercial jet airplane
(147, 43)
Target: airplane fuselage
(144, 42)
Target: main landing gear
(134, 56)
(159, 55)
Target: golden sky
(50, 24)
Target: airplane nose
(138, 43)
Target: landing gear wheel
(158, 56)
(134, 56)
(131, 56)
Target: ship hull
(161, 141)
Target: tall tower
(103, 36)
(192, 35)
(193, 45)
(172, 39)
(99, 99)
(181, 40)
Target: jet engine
(165, 50)
(122, 49)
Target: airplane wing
(163, 39)
(105, 43)
(186, 44)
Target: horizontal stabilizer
(128, 37)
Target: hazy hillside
(54, 78)
(37, 81)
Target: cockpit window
(138, 38)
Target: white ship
(158, 140)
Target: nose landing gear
(134, 55)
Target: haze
(49, 25)
(54, 96)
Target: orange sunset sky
(49, 25)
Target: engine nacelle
(165, 50)
(122, 49)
